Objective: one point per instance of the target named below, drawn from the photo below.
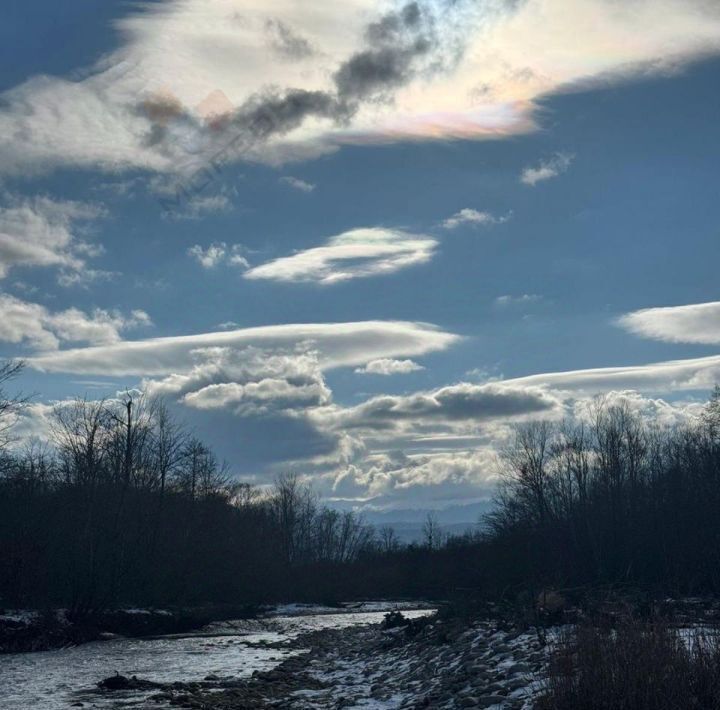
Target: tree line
(122, 505)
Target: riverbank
(429, 663)
(28, 630)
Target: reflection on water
(51, 680)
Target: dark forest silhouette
(124, 506)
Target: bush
(634, 667)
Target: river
(54, 680)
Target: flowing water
(51, 680)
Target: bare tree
(526, 468)
(169, 440)
(432, 532)
(388, 538)
(10, 405)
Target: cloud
(219, 253)
(547, 169)
(41, 232)
(464, 402)
(388, 366)
(411, 73)
(401, 474)
(473, 217)
(669, 376)
(395, 479)
(696, 323)
(429, 447)
(197, 206)
(651, 409)
(33, 324)
(507, 300)
(337, 345)
(141, 116)
(248, 381)
(286, 42)
(298, 184)
(350, 255)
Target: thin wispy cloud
(477, 218)
(546, 169)
(359, 253)
(524, 299)
(201, 206)
(690, 374)
(297, 184)
(288, 43)
(337, 344)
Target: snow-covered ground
(439, 664)
(482, 667)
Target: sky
(361, 241)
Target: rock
(485, 701)
(121, 682)
(518, 668)
(115, 682)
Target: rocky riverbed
(427, 664)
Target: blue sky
(529, 194)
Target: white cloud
(651, 409)
(523, 299)
(497, 58)
(354, 254)
(198, 206)
(248, 381)
(696, 323)
(396, 479)
(439, 470)
(662, 377)
(41, 232)
(219, 253)
(547, 169)
(388, 366)
(298, 184)
(33, 324)
(474, 217)
(337, 345)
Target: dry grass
(634, 667)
